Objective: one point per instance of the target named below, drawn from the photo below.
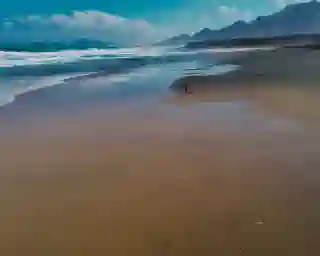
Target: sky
(124, 21)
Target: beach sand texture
(230, 171)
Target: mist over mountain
(50, 46)
(66, 27)
(300, 18)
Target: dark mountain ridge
(294, 19)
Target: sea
(26, 71)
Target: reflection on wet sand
(292, 103)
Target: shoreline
(265, 79)
(259, 68)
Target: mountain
(237, 29)
(299, 18)
(50, 46)
(307, 41)
(176, 40)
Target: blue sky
(128, 8)
(122, 20)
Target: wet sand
(214, 172)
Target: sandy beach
(230, 168)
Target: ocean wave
(91, 60)
(18, 64)
(22, 72)
(13, 59)
(10, 89)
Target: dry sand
(214, 173)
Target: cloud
(215, 17)
(192, 21)
(124, 31)
(93, 24)
(283, 3)
(232, 14)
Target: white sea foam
(11, 87)
(11, 59)
(15, 87)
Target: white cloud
(232, 13)
(215, 17)
(283, 3)
(93, 24)
(105, 26)
(192, 21)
